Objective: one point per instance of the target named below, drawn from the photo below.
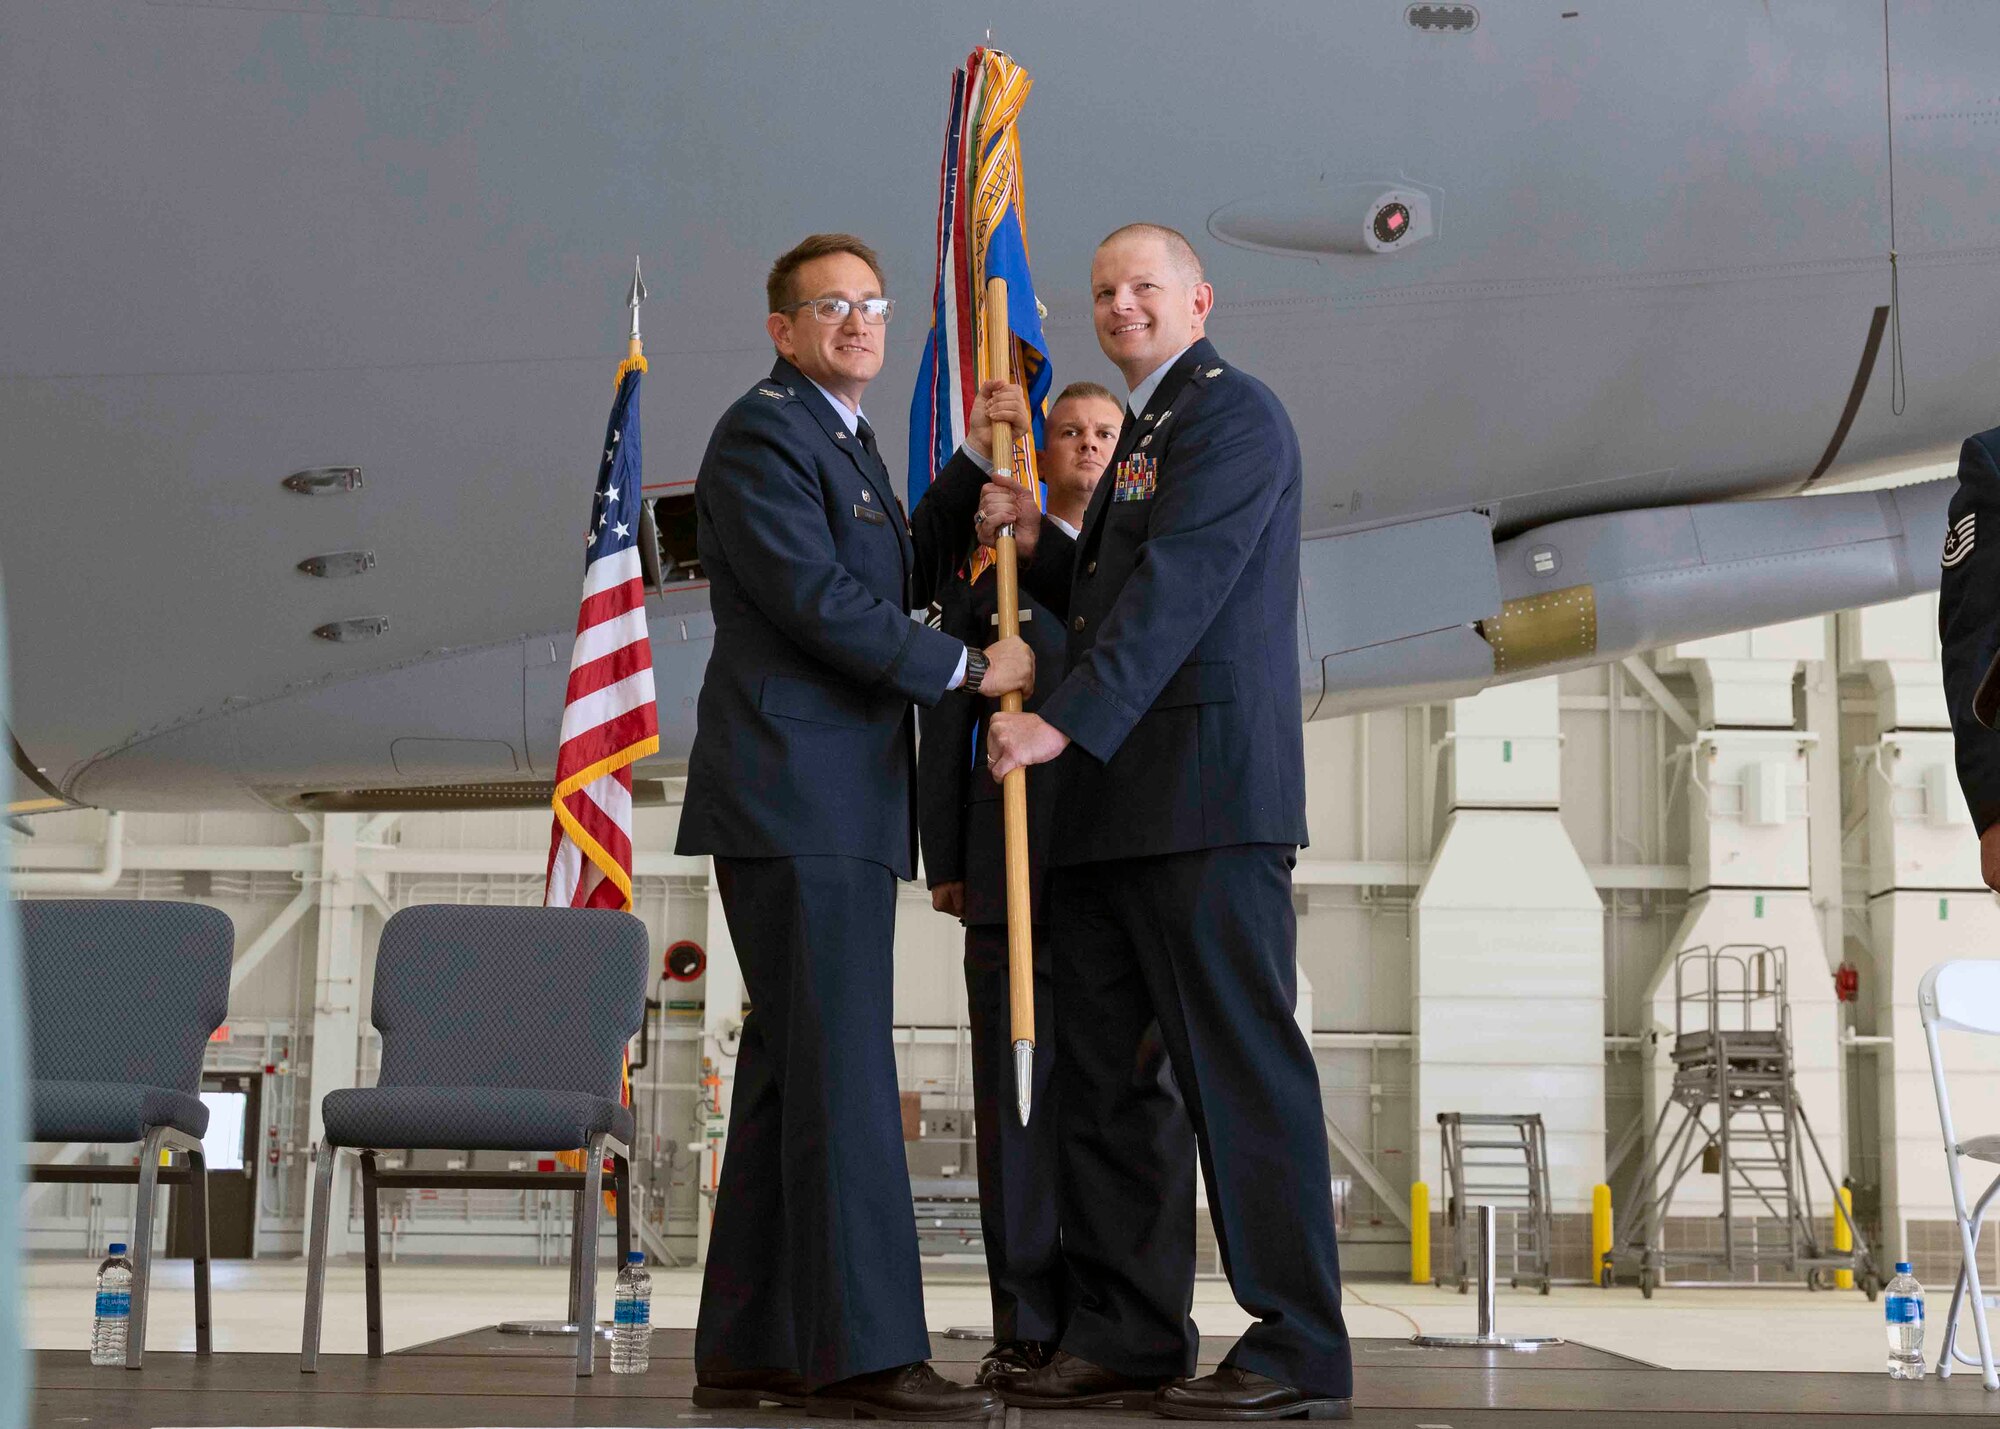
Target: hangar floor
(1762, 1357)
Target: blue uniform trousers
(1204, 941)
(812, 1262)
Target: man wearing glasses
(800, 786)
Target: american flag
(610, 720)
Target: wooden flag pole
(1014, 788)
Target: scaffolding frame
(1740, 1118)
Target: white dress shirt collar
(1061, 525)
(852, 416)
(1150, 383)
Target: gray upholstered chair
(121, 998)
(503, 1029)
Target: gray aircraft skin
(1644, 271)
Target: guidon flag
(982, 233)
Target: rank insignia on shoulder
(772, 393)
(1958, 540)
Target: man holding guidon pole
(800, 786)
(1179, 815)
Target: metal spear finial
(636, 296)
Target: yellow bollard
(1843, 1238)
(1420, 1233)
(1600, 1230)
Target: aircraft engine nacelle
(1436, 609)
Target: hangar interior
(1489, 920)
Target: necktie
(867, 435)
(1128, 437)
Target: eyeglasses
(874, 311)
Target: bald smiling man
(1176, 735)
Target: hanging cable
(1898, 382)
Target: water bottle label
(114, 1304)
(1903, 1309)
(632, 1312)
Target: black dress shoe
(911, 1391)
(1232, 1393)
(1067, 1382)
(747, 1388)
(1009, 1360)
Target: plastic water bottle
(114, 1308)
(1903, 1308)
(632, 1318)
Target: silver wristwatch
(975, 670)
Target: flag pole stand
(1014, 788)
(550, 1327)
(1489, 1336)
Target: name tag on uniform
(1136, 478)
(870, 515)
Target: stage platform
(486, 1378)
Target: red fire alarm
(1846, 983)
(686, 961)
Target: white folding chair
(1963, 996)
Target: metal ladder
(1734, 1112)
(1500, 1161)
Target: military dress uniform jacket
(958, 804)
(1180, 598)
(1969, 618)
(805, 741)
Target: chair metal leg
(322, 1209)
(1967, 1246)
(1969, 1272)
(621, 1187)
(585, 1252)
(575, 1261)
(1951, 1351)
(198, 1194)
(142, 1243)
(371, 1253)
